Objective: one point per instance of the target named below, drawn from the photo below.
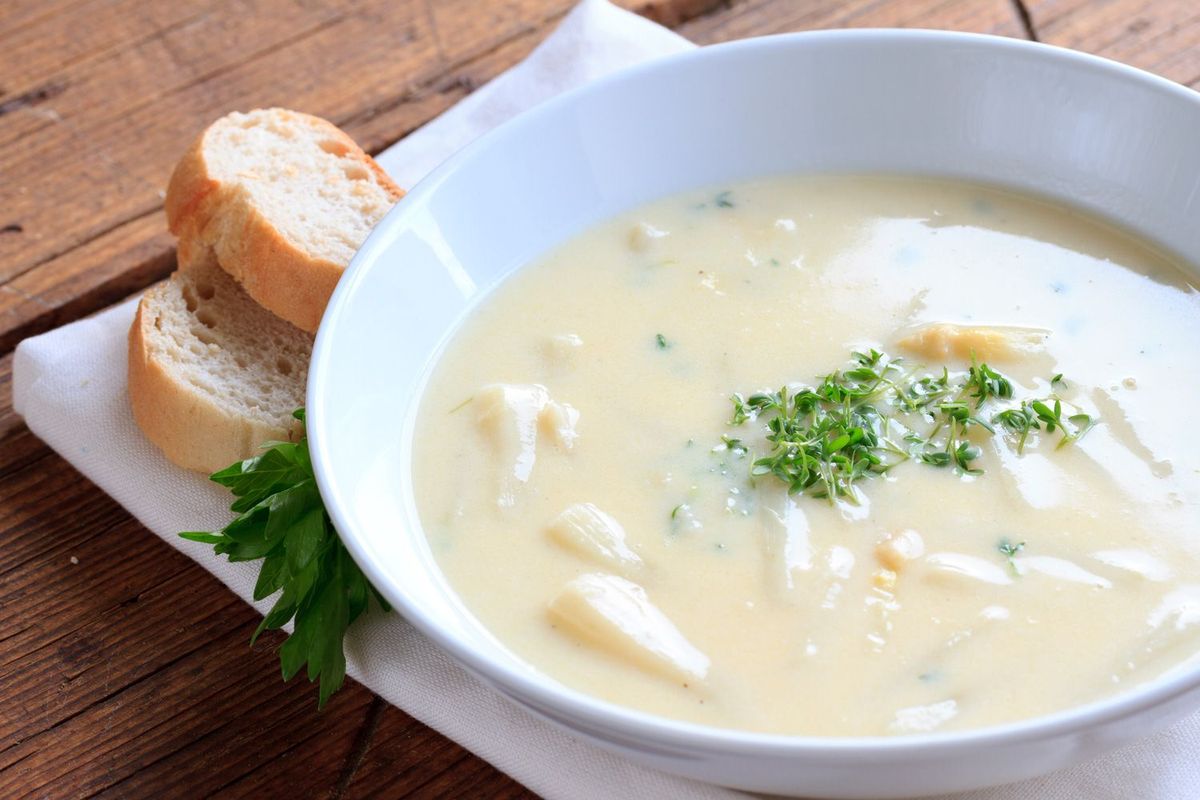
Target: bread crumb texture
(283, 200)
(305, 175)
(207, 334)
(212, 375)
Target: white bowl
(1116, 141)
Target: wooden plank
(306, 763)
(405, 761)
(108, 162)
(304, 759)
(18, 447)
(380, 126)
(459, 26)
(1162, 36)
(760, 17)
(47, 521)
(144, 688)
(86, 278)
(73, 96)
(19, 15)
(40, 53)
(202, 700)
(117, 646)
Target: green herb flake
(734, 446)
(461, 405)
(724, 199)
(283, 523)
(1009, 550)
(661, 341)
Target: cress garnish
(861, 422)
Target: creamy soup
(605, 508)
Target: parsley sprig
(861, 422)
(282, 522)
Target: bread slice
(213, 375)
(284, 200)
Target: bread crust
(223, 233)
(283, 278)
(190, 429)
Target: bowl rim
(538, 692)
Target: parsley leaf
(282, 522)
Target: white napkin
(69, 385)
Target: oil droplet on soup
(596, 509)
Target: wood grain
(404, 761)
(86, 278)
(102, 129)
(1156, 35)
(124, 667)
(759, 17)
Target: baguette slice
(213, 375)
(283, 200)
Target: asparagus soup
(830, 456)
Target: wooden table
(124, 667)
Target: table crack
(1026, 20)
(362, 742)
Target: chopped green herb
(734, 446)
(723, 200)
(661, 341)
(864, 420)
(282, 522)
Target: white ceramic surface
(1116, 141)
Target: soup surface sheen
(574, 486)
